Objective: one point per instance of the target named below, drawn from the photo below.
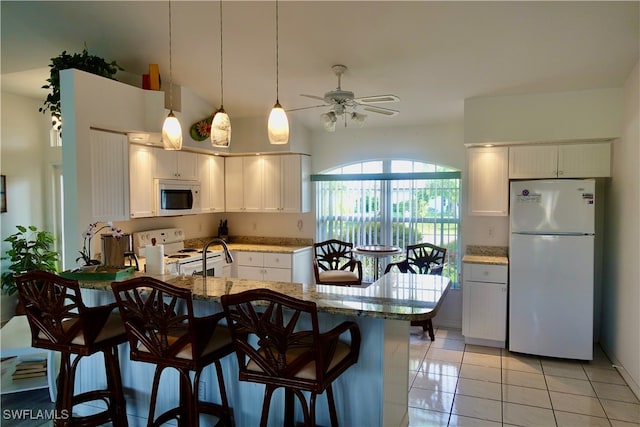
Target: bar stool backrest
(56, 314)
(159, 321)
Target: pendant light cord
(277, 59)
(221, 68)
(170, 64)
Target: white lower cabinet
(273, 267)
(484, 304)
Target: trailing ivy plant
(80, 61)
(30, 250)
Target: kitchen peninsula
(372, 392)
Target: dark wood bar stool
(273, 350)
(59, 321)
(163, 330)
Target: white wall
(620, 335)
(27, 161)
(442, 144)
(588, 114)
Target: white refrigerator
(551, 268)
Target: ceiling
(432, 55)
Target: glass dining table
(377, 252)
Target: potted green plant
(80, 61)
(31, 249)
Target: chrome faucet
(227, 254)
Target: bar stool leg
(117, 403)
(64, 401)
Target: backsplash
(256, 240)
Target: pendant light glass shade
(171, 129)
(221, 123)
(172, 133)
(278, 126)
(221, 129)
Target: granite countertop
(394, 296)
(486, 259)
(497, 255)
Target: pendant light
(221, 124)
(278, 126)
(171, 130)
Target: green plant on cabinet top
(80, 61)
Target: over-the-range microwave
(177, 197)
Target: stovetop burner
(178, 256)
(187, 250)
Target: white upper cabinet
(488, 181)
(233, 185)
(109, 171)
(243, 184)
(296, 184)
(286, 183)
(211, 176)
(176, 165)
(591, 160)
(252, 169)
(535, 161)
(272, 183)
(584, 160)
(141, 188)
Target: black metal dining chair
(334, 264)
(422, 258)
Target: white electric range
(178, 259)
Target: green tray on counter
(98, 272)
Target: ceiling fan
(343, 103)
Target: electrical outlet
(202, 390)
(491, 231)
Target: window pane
(392, 212)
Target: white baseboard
(635, 387)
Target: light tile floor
(458, 385)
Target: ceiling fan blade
(375, 99)
(313, 96)
(307, 108)
(385, 111)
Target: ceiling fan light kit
(171, 129)
(329, 121)
(221, 124)
(343, 103)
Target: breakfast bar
(371, 393)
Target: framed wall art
(3, 193)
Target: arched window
(391, 202)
